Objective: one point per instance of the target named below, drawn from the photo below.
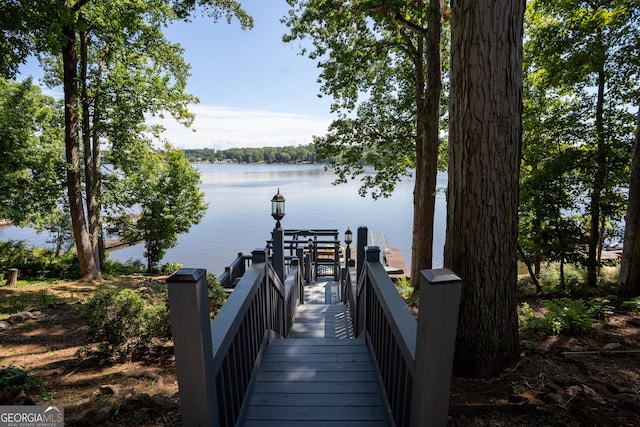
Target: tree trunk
(12, 277)
(485, 134)
(532, 273)
(428, 119)
(89, 174)
(88, 267)
(629, 278)
(598, 183)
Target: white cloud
(222, 127)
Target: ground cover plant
(50, 356)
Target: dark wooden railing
(321, 247)
(414, 358)
(234, 271)
(215, 362)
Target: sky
(254, 89)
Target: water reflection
(239, 215)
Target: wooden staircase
(320, 375)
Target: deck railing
(234, 271)
(215, 362)
(322, 246)
(414, 358)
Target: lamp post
(348, 238)
(277, 207)
(277, 212)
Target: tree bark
(12, 277)
(90, 161)
(485, 134)
(598, 183)
(428, 118)
(629, 278)
(88, 267)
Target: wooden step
(322, 321)
(316, 382)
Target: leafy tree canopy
(31, 144)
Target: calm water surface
(239, 215)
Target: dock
(394, 263)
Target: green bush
(12, 378)
(170, 268)
(574, 275)
(123, 320)
(216, 293)
(564, 315)
(633, 304)
(38, 263)
(130, 266)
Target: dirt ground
(592, 380)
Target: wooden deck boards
(321, 376)
(316, 382)
(322, 292)
(322, 321)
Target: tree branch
(417, 29)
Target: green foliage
(130, 266)
(16, 303)
(633, 304)
(165, 187)
(170, 268)
(372, 63)
(288, 154)
(578, 127)
(38, 263)
(564, 315)
(122, 320)
(217, 295)
(406, 291)
(12, 378)
(550, 278)
(31, 170)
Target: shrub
(564, 315)
(12, 378)
(633, 304)
(170, 268)
(217, 295)
(130, 266)
(123, 320)
(38, 263)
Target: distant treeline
(290, 154)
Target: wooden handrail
(234, 271)
(414, 358)
(259, 310)
(216, 362)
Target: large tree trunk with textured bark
(88, 266)
(485, 134)
(428, 119)
(629, 279)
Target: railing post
(363, 301)
(336, 259)
(436, 335)
(361, 242)
(189, 310)
(308, 268)
(258, 255)
(278, 252)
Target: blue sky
(254, 89)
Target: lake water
(239, 215)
